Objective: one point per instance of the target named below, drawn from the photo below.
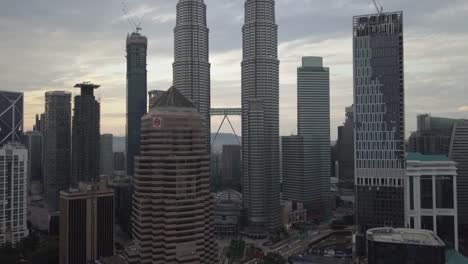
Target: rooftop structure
(404, 236)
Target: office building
(405, 246)
(11, 117)
(306, 157)
(231, 166)
(379, 120)
(56, 146)
(260, 117)
(86, 223)
(119, 161)
(137, 46)
(227, 213)
(191, 68)
(154, 95)
(431, 196)
(123, 190)
(107, 155)
(433, 135)
(13, 193)
(172, 203)
(459, 153)
(345, 150)
(39, 123)
(33, 143)
(86, 135)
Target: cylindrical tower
(191, 68)
(260, 136)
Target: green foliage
(236, 250)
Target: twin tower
(260, 97)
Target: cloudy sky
(53, 44)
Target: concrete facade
(172, 212)
(106, 166)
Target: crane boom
(378, 7)
(136, 27)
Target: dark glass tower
(86, 135)
(379, 124)
(136, 94)
(11, 117)
(56, 126)
(260, 116)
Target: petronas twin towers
(260, 98)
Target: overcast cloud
(53, 44)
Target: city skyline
(331, 41)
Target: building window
(411, 186)
(427, 222)
(444, 192)
(446, 230)
(426, 192)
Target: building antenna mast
(378, 7)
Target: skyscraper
(379, 123)
(433, 135)
(172, 203)
(459, 153)
(13, 193)
(345, 150)
(56, 146)
(136, 94)
(11, 117)
(33, 143)
(306, 157)
(260, 116)
(191, 68)
(106, 166)
(86, 223)
(86, 135)
(231, 166)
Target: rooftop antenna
(131, 20)
(378, 7)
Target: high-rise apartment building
(13, 193)
(11, 117)
(86, 223)
(56, 146)
(379, 120)
(172, 203)
(345, 150)
(137, 46)
(39, 123)
(459, 153)
(33, 143)
(191, 68)
(306, 157)
(106, 160)
(260, 117)
(85, 135)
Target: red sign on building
(157, 122)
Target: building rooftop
(421, 157)
(453, 257)
(404, 236)
(174, 99)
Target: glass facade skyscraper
(379, 124)
(11, 117)
(136, 94)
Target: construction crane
(136, 27)
(378, 6)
